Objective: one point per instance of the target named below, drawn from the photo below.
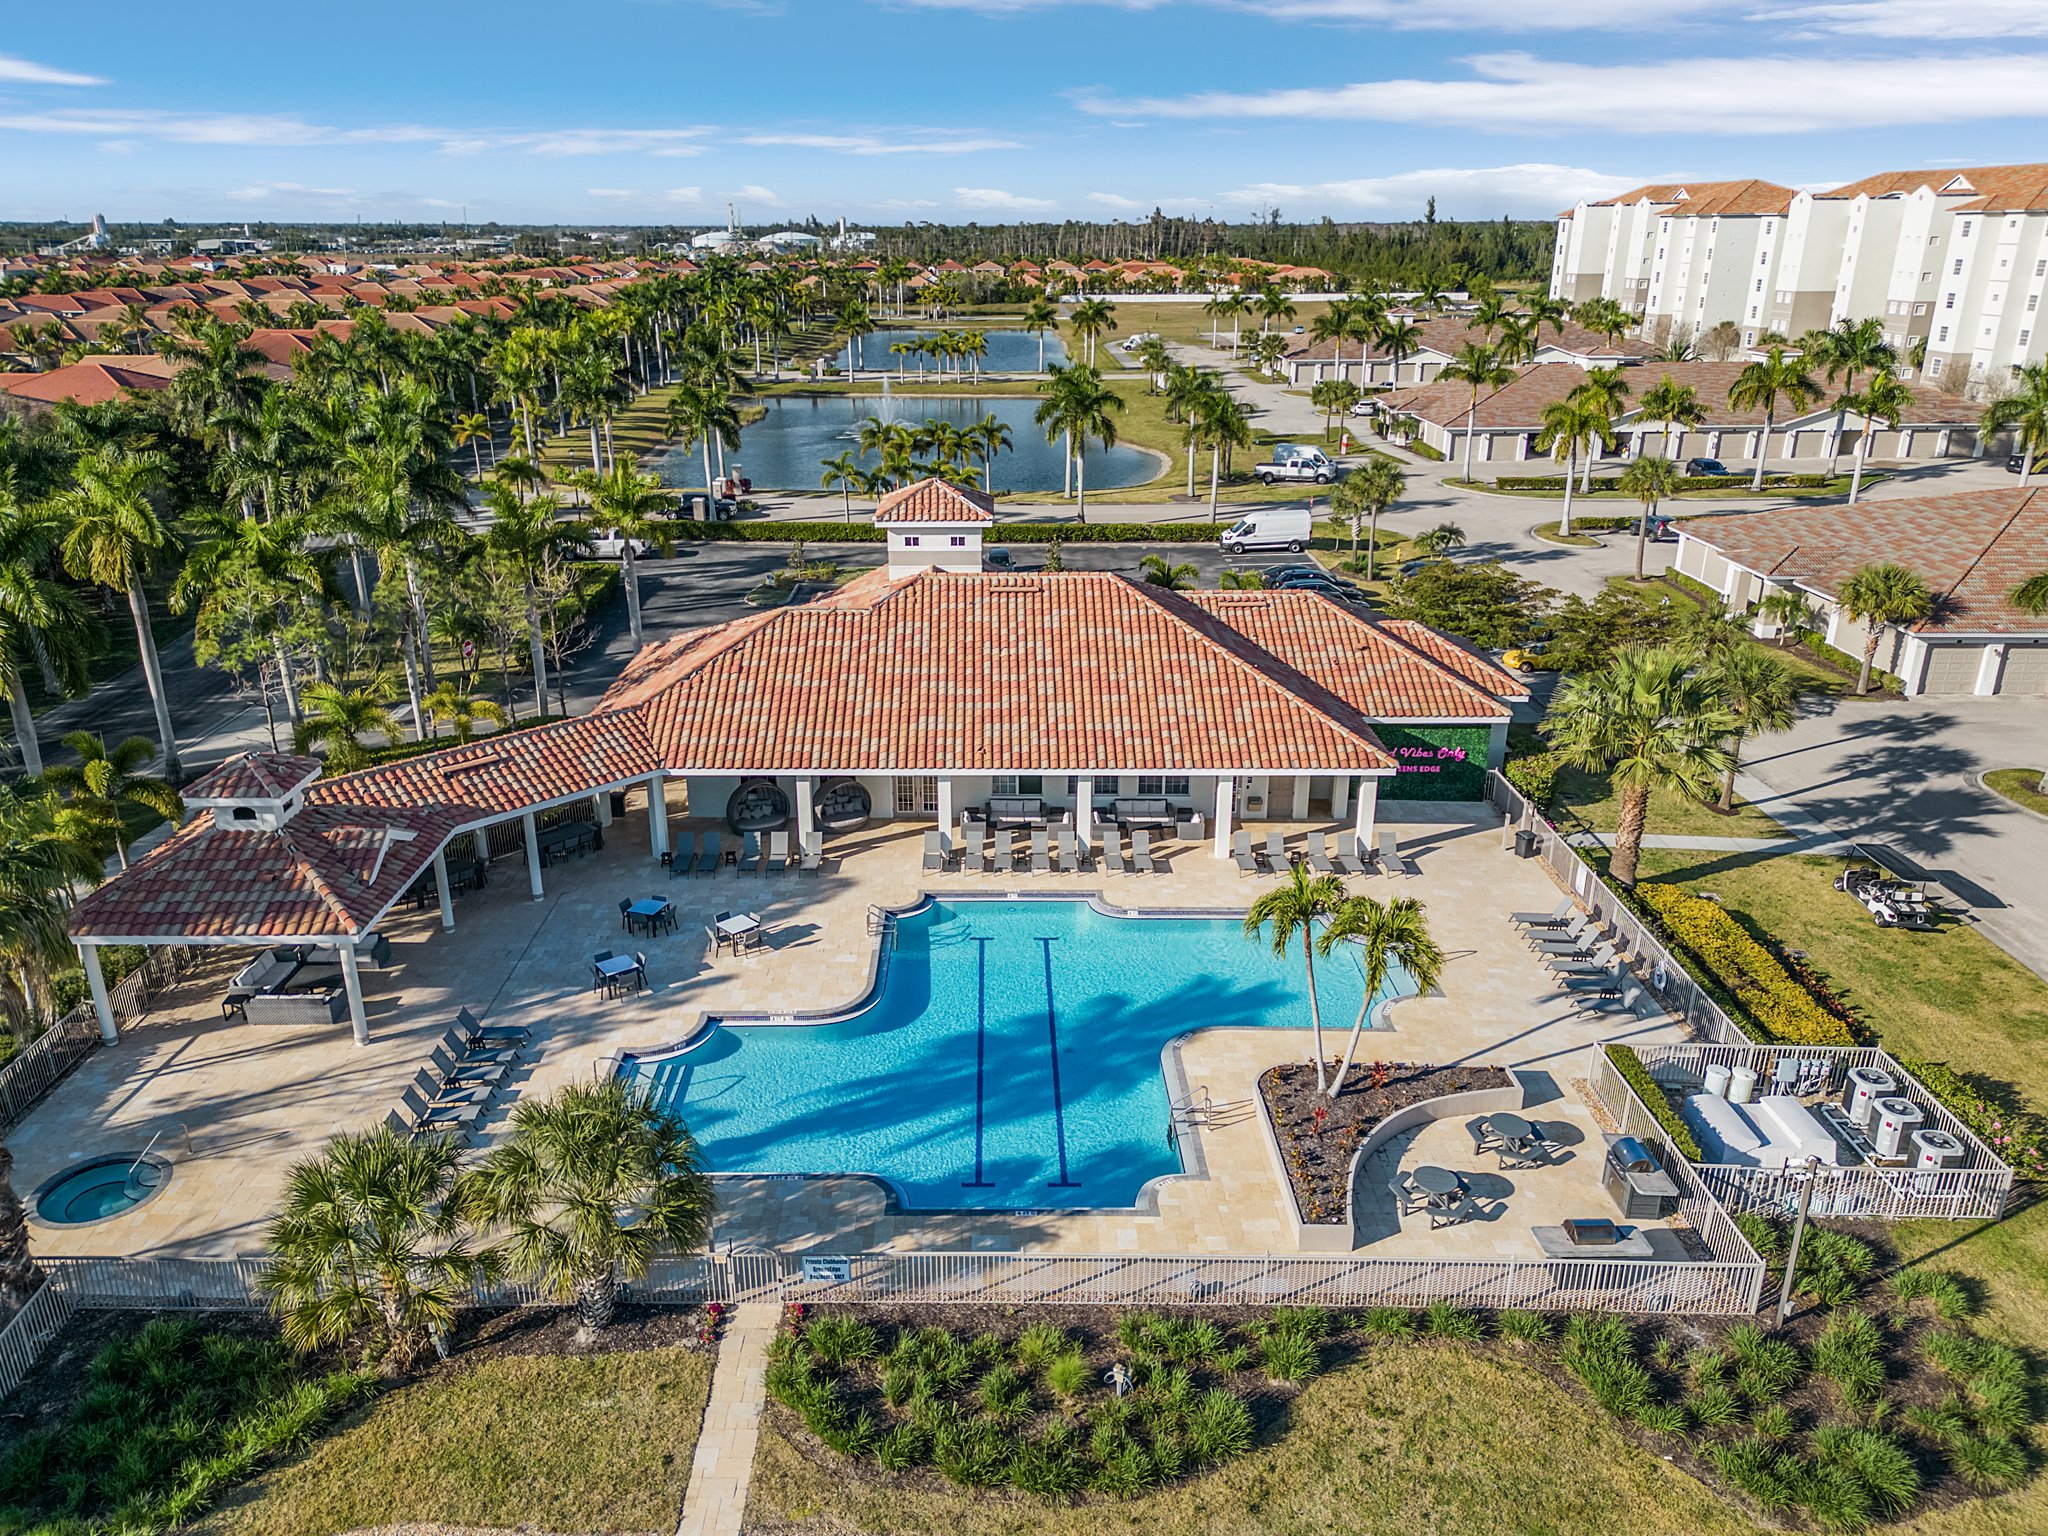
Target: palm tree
(474, 430)
(1385, 936)
(1294, 907)
(1760, 693)
(1649, 479)
(1490, 314)
(1041, 315)
(1365, 493)
(1332, 396)
(1762, 385)
(1608, 389)
(987, 438)
(843, 470)
(272, 562)
(2031, 597)
(530, 535)
(20, 1275)
(1273, 305)
(1081, 407)
(1884, 593)
(107, 783)
(1440, 540)
(369, 1246)
(114, 540)
(590, 1182)
(1567, 424)
(1398, 339)
(456, 706)
(697, 414)
(2025, 409)
(1160, 572)
(1672, 404)
(1882, 398)
(629, 502)
(1091, 317)
(1654, 723)
(39, 617)
(1787, 608)
(1237, 579)
(339, 719)
(1481, 369)
(218, 383)
(1853, 348)
(46, 850)
(855, 320)
(1225, 424)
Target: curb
(2004, 799)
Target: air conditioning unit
(1866, 1085)
(1897, 1119)
(1938, 1149)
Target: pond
(1008, 352)
(786, 449)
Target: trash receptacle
(618, 802)
(1525, 844)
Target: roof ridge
(2026, 500)
(1423, 656)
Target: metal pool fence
(48, 1059)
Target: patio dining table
(650, 911)
(616, 969)
(740, 929)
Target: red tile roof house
(1439, 339)
(1972, 549)
(921, 688)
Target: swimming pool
(1009, 1060)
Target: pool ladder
(879, 924)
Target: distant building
(789, 240)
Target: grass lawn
(596, 1443)
(1177, 322)
(2022, 786)
(1592, 799)
(1409, 1438)
(1814, 675)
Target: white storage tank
(1717, 1081)
(1865, 1087)
(1938, 1149)
(1897, 1119)
(1742, 1085)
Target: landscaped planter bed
(1320, 1138)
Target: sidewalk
(715, 1502)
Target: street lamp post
(1798, 1237)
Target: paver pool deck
(233, 1105)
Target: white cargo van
(1269, 528)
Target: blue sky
(605, 112)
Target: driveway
(1900, 777)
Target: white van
(1269, 528)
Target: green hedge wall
(1437, 762)
(1656, 1100)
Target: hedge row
(118, 962)
(764, 532)
(1656, 1100)
(1764, 993)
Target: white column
(946, 808)
(441, 889)
(1226, 802)
(1989, 666)
(1301, 797)
(657, 816)
(806, 809)
(601, 807)
(483, 845)
(532, 854)
(1905, 449)
(352, 984)
(1340, 795)
(1368, 809)
(1084, 814)
(96, 979)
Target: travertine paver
(234, 1104)
(716, 1499)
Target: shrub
(2015, 1133)
(1876, 1461)
(840, 1340)
(1832, 1494)
(1535, 776)
(1757, 1469)
(1138, 1332)
(1126, 1472)
(1048, 1472)
(1390, 1323)
(901, 1448)
(1766, 1368)
(1519, 1327)
(1662, 1418)
(1039, 1345)
(1833, 1266)
(1219, 1427)
(1289, 1357)
(1190, 1341)
(1763, 1233)
(1714, 1406)
(1990, 1463)
(1068, 1374)
(1847, 1353)
(1951, 1298)
(972, 1455)
(1772, 1422)
(1655, 1099)
(1602, 1354)
(1444, 1321)
(1765, 995)
(1309, 1323)
(1005, 1397)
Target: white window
(1759, 285)
(2032, 300)
(1944, 334)
(1934, 369)
(958, 541)
(1749, 338)
(2041, 269)
(910, 541)
(1171, 784)
(1966, 229)
(1959, 266)
(915, 797)
(1949, 302)
(2025, 336)
(1752, 311)
(1919, 309)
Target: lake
(786, 450)
(1008, 352)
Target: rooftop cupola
(256, 792)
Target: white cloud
(611, 191)
(258, 191)
(995, 200)
(874, 144)
(1913, 18)
(1535, 190)
(1404, 15)
(18, 71)
(683, 195)
(1519, 93)
(758, 195)
(907, 204)
(284, 131)
(1113, 200)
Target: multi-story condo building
(1955, 258)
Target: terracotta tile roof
(1984, 188)
(1377, 674)
(254, 776)
(1447, 335)
(507, 772)
(934, 501)
(89, 381)
(1972, 548)
(1703, 199)
(1470, 665)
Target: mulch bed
(1320, 1135)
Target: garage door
(2026, 670)
(1952, 669)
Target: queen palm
(1652, 722)
(1217, 308)
(531, 536)
(1225, 424)
(1649, 479)
(987, 438)
(1490, 314)
(1333, 325)
(1381, 937)
(218, 382)
(2031, 597)
(1854, 348)
(1765, 384)
(1399, 339)
(1161, 572)
(588, 1185)
(1331, 396)
(1481, 370)
(1274, 307)
(473, 431)
(625, 500)
(2024, 409)
(46, 850)
(109, 783)
(855, 320)
(1291, 910)
(39, 618)
(1882, 398)
(1367, 492)
(1091, 317)
(1881, 594)
(339, 718)
(1571, 423)
(1041, 315)
(1759, 693)
(232, 555)
(1185, 389)
(369, 1247)
(1672, 404)
(461, 710)
(844, 472)
(698, 413)
(115, 538)
(1609, 389)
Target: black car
(1327, 588)
(1275, 574)
(2016, 463)
(1705, 467)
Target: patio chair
(1067, 851)
(811, 847)
(1577, 931)
(1390, 856)
(1625, 1003)
(973, 848)
(1141, 851)
(1040, 862)
(452, 1071)
(778, 853)
(1318, 855)
(934, 859)
(488, 1035)
(707, 861)
(1451, 1216)
(1564, 968)
(639, 971)
(1349, 860)
(683, 857)
(1555, 918)
(1112, 855)
(1408, 1198)
(1241, 850)
(1274, 854)
(626, 914)
(1607, 982)
(712, 942)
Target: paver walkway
(716, 1500)
(1822, 842)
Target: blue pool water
(1011, 1058)
(1008, 352)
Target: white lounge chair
(707, 861)
(1348, 858)
(1112, 848)
(1318, 855)
(1390, 856)
(1041, 862)
(1068, 852)
(778, 853)
(812, 850)
(973, 850)
(1141, 851)
(1555, 918)
(1274, 854)
(1241, 850)
(934, 858)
